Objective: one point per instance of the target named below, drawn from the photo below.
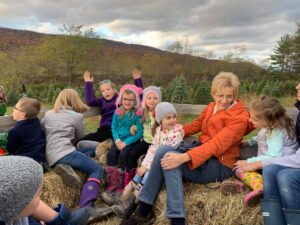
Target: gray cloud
(257, 24)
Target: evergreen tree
(296, 55)
(202, 95)
(178, 89)
(282, 60)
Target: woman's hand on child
(141, 171)
(87, 76)
(136, 73)
(133, 129)
(173, 160)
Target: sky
(215, 26)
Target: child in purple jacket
(107, 104)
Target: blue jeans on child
(78, 160)
(210, 171)
(138, 179)
(282, 183)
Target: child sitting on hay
(27, 138)
(20, 189)
(107, 103)
(167, 132)
(63, 126)
(275, 138)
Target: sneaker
(128, 190)
(232, 187)
(137, 219)
(253, 198)
(98, 214)
(68, 175)
(126, 208)
(137, 191)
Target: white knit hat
(148, 90)
(163, 109)
(21, 177)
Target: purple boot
(89, 193)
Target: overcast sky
(208, 25)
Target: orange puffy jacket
(220, 136)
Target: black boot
(99, 214)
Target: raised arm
(89, 96)
(137, 77)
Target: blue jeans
(81, 162)
(282, 183)
(210, 171)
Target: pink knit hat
(136, 90)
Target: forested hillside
(47, 63)
(33, 58)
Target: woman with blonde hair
(63, 126)
(222, 125)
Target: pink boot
(113, 179)
(252, 199)
(127, 178)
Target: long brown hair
(273, 114)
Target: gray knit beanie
(20, 179)
(148, 90)
(162, 109)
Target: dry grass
(203, 205)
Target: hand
(136, 73)
(248, 167)
(244, 144)
(133, 129)
(173, 160)
(141, 171)
(121, 145)
(240, 162)
(87, 76)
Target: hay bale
(203, 205)
(55, 191)
(208, 206)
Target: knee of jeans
(285, 178)
(270, 171)
(162, 151)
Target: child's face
(169, 121)
(151, 101)
(257, 122)
(128, 101)
(32, 206)
(107, 91)
(18, 114)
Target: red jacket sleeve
(195, 126)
